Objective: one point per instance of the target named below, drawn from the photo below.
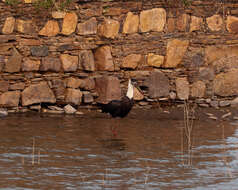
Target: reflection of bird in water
(120, 108)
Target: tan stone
(182, 88)
(131, 61)
(50, 64)
(109, 28)
(69, 62)
(74, 82)
(14, 62)
(131, 23)
(51, 28)
(155, 60)
(198, 89)
(69, 23)
(213, 53)
(58, 14)
(25, 26)
(4, 86)
(182, 22)
(137, 95)
(73, 96)
(9, 25)
(37, 93)
(232, 24)
(196, 23)
(175, 52)
(10, 99)
(103, 59)
(30, 65)
(27, 1)
(88, 27)
(86, 60)
(29, 42)
(214, 22)
(226, 84)
(17, 86)
(171, 25)
(152, 20)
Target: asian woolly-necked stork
(120, 108)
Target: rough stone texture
(17, 86)
(158, 85)
(87, 98)
(137, 95)
(88, 84)
(88, 27)
(14, 62)
(182, 22)
(50, 64)
(58, 87)
(152, 20)
(108, 88)
(225, 64)
(206, 74)
(175, 52)
(74, 82)
(226, 84)
(30, 65)
(51, 28)
(69, 109)
(39, 51)
(73, 96)
(37, 93)
(109, 28)
(131, 23)
(2, 62)
(9, 25)
(103, 59)
(198, 89)
(196, 23)
(182, 88)
(4, 86)
(155, 60)
(131, 61)
(171, 25)
(232, 24)
(25, 26)
(214, 22)
(10, 99)
(69, 62)
(69, 23)
(224, 103)
(58, 14)
(213, 53)
(86, 60)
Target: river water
(147, 150)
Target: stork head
(130, 90)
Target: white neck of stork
(130, 90)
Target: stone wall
(85, 55)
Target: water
(81, 152)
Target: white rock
(69, 109)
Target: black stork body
(120, 108)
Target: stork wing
(112, 107)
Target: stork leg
(114, 129)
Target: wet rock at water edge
(214, 104)
(69, 109)
(3, 112)
(224, 103)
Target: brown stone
(2, 62)
(182, 88)
(226, 84)
(131, 23)
(69, 23)
(58, 14)
(30, 65)
(155, 60)
(109, 28)
(14, 62)
(175, 52)
(50, 64)
(225, 64)
(198, 89)
(131, 61)
(213, 53)
(232, 24)
(37, 93)
(58, 87)
(17, 86)
(73, 96)
(137, 95)
(158, 85)
(88, 84)
(74, 82)
(4, 86)
(196, 23)
(108, 88)
(206, 74)
(51, 28)
(103, 59)
(88, 27)
(152, 20)
(29, 42)
(69, 62)
(171, 25)
(9, 25)
(86, 60)
(87, 97)
(10, 99)
(215, 22)
(182, 22)
(25, 26)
